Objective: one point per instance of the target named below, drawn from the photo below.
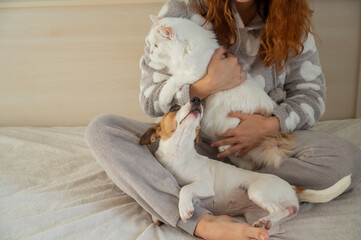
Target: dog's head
(179, 122)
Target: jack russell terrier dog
(224, 188)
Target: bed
(64, 62)
(51, 187)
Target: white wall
(64, 62)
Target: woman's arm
(302, 107)
(305, 91)
(224, 72)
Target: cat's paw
(186, 210)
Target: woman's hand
(248, 134)
(222, 73)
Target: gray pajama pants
(318, 161)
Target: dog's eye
(174, 108)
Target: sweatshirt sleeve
(155, 75)
(305, 89)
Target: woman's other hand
(224, 72)
(248, 134)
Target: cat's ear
(166, 32)
(155, 19)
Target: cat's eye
(175, 107)
(156, 45)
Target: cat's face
(160, 39)
(164, 43)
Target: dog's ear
(150, 135)
(197, 140)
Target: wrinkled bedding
(51, 187)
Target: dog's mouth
(195, 110)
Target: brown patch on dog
(150, 135)
(197, 140)
(168, 125)
(298, 189)
(275, 149)
(164, 129)
(285, 142)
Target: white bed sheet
(52, 188)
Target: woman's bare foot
(222, 227)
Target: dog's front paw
(186, 210)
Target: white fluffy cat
(186, 48)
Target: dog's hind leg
(276, 214)
(266, 193)
(254, 213)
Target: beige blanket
(52, 188)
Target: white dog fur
(224, 188)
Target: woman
(270, 39)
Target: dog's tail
(325, 195)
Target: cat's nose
(151, 52)
(196, 101)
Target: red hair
(287, 24)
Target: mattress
(51, 187)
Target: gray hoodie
(299, 91)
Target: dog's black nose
(196, 101)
